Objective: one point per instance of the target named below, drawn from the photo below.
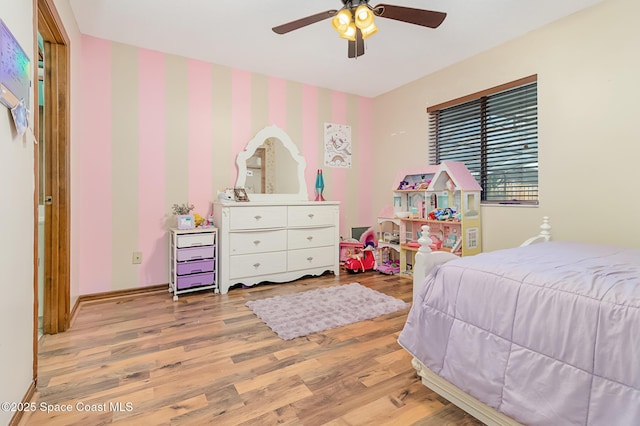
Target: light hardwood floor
(207, 359)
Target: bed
(542, 334)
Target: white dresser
(276, 241)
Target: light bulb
(350, 32)
(341, 21)
(364, 16)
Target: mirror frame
(268, 132)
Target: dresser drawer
(195, 253)
(300, 216)
(311, 258)
(195, 267)
(258, 217)
(250, 265)
(195, 280)
(257, 241)
(310, 237)
(195, 240)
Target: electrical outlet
(137, 257)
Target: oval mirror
(271, 167)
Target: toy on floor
(389, 267)
(353, 247)
(349, 248)
(363, 261)
(369, 236)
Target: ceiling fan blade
(303, 22)
(356, 48)
(425, 18)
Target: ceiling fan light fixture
(341, 20)
(369, 31)
(350, 32)
(355, 21)
(363, 16)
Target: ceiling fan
(355, 21)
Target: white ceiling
(238, 34)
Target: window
(495, 133)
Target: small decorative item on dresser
(182, 209)
(241, 194)
(199, 221)
(319, 186)
(185, 219)
(226, 195)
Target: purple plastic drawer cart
(193, 260)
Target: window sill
(509, 205)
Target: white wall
(16, 228)
(16, 217)
(588, 68)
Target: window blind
(496, 136)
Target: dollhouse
(446, 197)
(410, 199)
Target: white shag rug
(299, 314)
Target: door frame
(57, 172)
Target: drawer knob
(310, 258)
(256, 265)
(256, 242)
(257, 217)
(310, 215)
(310, 237)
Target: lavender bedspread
(548, 334)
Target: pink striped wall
(151, 168)
(278, 102)
(95, 166)
(200, 135)
(311, 143)
(216, 120)
(365, 159)
(339, 176)
(240, 113)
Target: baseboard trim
(116, 294)
(28, 396)
(74, 310)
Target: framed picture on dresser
(240, 194)
(186, 221)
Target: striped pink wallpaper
(278, 102)
(365, 160)
(151, 167)
(241, 131)
(182, 131)
(94, 224)
(338, 189)
(311, 137)
(200, 136)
